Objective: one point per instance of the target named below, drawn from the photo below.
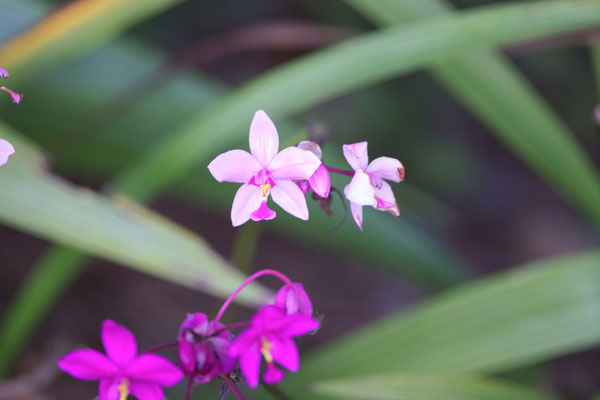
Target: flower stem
(232, 386)
(161, 346)
(275, 391)
(339, 171)
(260, 273)
(188, 389)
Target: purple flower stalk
(122, 371)
(368, 187)
(265, 171)
(270, 336)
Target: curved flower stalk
(122, 371)
(265, 171)
(368, 187)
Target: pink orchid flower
(368, 187)
(122, 371)
(270, 335)
(265, 171)
(6, 150)
(319, 181)
(16, 97)
(4, 73)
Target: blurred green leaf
(74, 29)
(532, 313)
(497, 93)
(338, 69)
(113, 228)
(424, 387)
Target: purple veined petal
(119, 343)
(294, 300)
(359, 190)
(264, 317)
(146, 391)
(386, 201)
(285, 352)
(4, 73)
(320, 182)
(16, 97)
(264, 140)
(247, 199)
(234, 166)
(293, 163)
(6, 150)
(264, 213)
(250, 366)
(296, 325)
(88, 365)
(357, 214)
(272, 374)
(311, 146)
(356, 155)
(152, 368)
(109, 389)
(387, 168)
(246, 340)
(289, 197)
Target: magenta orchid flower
(270, 335)
(122, 371)
(293, 299)
(319, 181)
(368, 187)
(16, 97)
(4, 73)
(265, 171)
(204, 348)
(6, 150)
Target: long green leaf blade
(424, 387)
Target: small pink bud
(3, 73)
(292, 298)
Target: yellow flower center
(123, 389)
(266, 350)
(265, 188)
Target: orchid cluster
(289, 174)
(7, 149)
(207, 349)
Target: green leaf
(424, 387)
(496, 92)
(113, 228)
(72, 30)
(339, 69)
(532, 313)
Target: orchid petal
(356, 155)
(320, 182)
(273, 374)
(152, 368)
(293, 163)
(359, 190)
(6, 150)
(387, 168)
(264, 141)
(119, 343)
(88, 365)
(297, 325)
(304, 186)
(109, 389)
(146, 391)
(16, 97)
(293, 299)
(234, 166)
(250, 366)
(285, 352)
(386, 194)
(3, 73)
(289, 197)
(357, 214)
(221, 347)
(264, 213)
(311, 146)
(247, 200)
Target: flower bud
(292, 298)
